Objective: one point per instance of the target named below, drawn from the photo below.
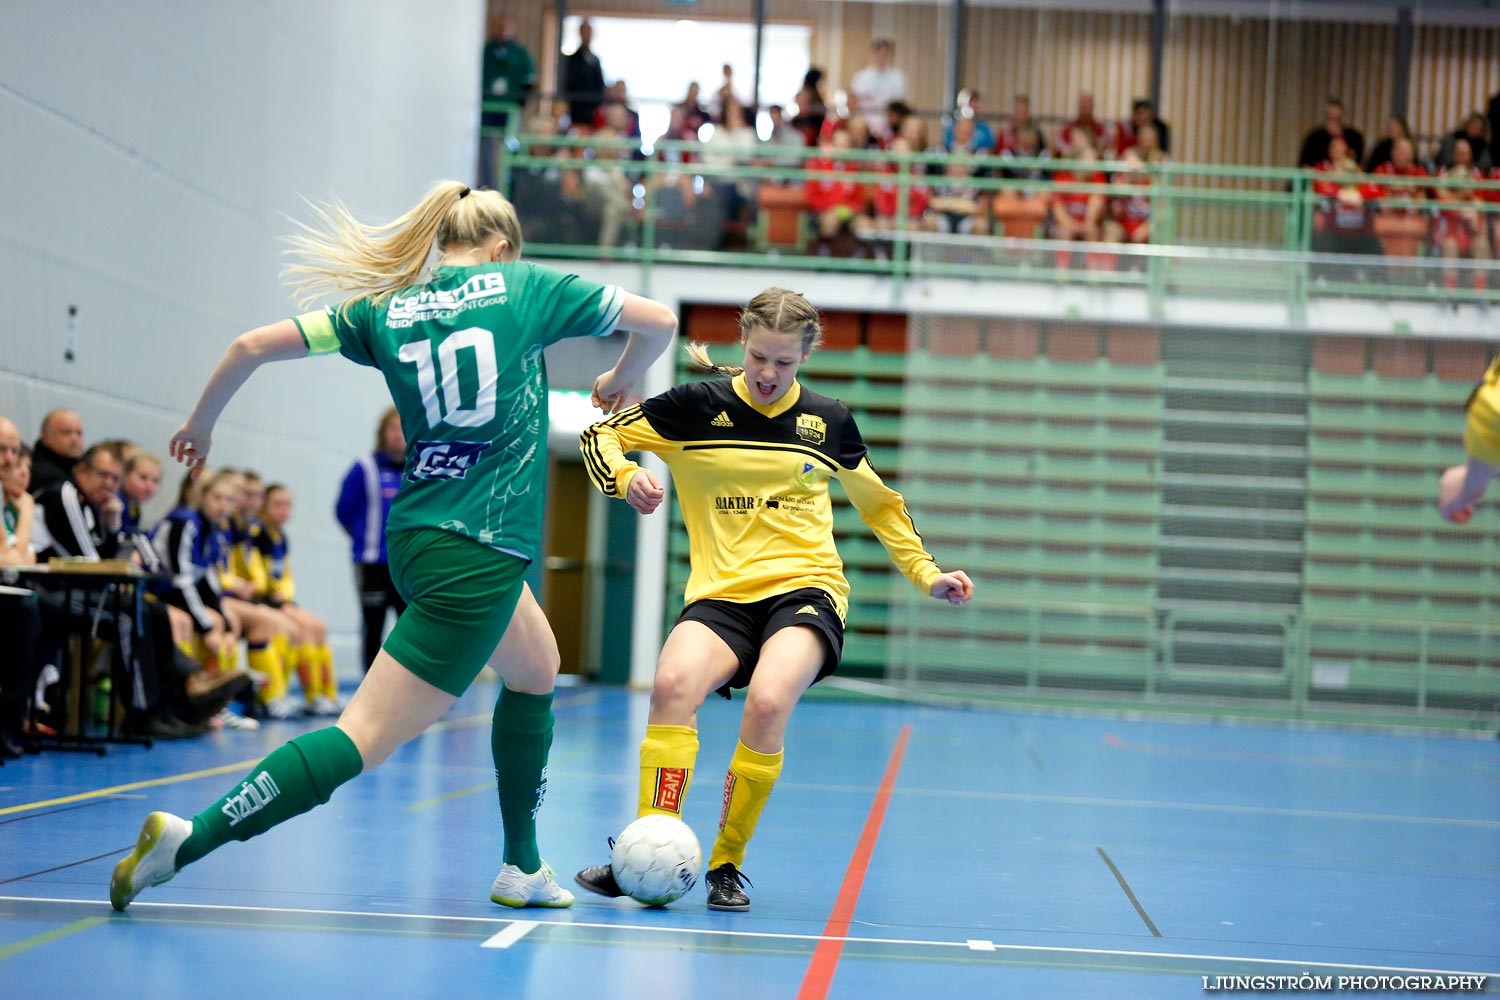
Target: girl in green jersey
(460, 347)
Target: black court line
(1129, 894)
(49, 812)
(70, 864)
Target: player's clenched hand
(955, 587)
(644, 493)
(190, 445)
(613, 394)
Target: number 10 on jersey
(474, 347)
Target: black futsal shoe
(726, 888)
(600, 879)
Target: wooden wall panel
(1454, 71)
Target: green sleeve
(574, 306)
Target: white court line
(511, 934)
(648, 928)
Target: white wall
(149, 153)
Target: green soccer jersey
(462, 356)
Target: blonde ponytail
(341, 254)
(704, 365)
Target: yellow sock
(191, 648)
(264, 659)
(227, 655)
(667, 757)
(747, 786)
(330, 685)
(310, 670)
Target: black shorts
(746, 627)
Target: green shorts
(460, 596)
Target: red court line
(825, 960)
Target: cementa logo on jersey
(811, 428)
(447, 459)
(443, 303)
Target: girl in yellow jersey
(1463, 485)
(278, 590)
(751, 457)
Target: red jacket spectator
(1347, 208)
(1403, 192)
(825, 188)
(886, 194)
(1085, 122)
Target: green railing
(1246, 233)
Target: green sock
(293, 779)
(520, 737)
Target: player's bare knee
(676, 688)
(765, 711)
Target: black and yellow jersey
(241, 562)
(1482, 428)
(753, 485)
(274, 553)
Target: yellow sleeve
(884, 510)
(255, 570)
(604, 446)
(1482, 427)
(286, 587)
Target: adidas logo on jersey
(722, 420)
(808, 609)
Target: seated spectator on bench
(835, 201)
(1129, 218)
(20, 621)
(1396, 130)
(1083, 126)
(139, 487)
(1019, 212)
(314, 660)
(1010, 140)
(1315, 143)
(20, 508)
(1078, 215)
(957, 205)
(971, 109)
(1344, 221)
(1470, 132)
(1142, 117)
(57, 450)
(885, 199)
(811, 107)
(1402, 231)
(1461, 229)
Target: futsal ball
(656, 859)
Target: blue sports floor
(1009, 855)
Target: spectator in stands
(1403, 163)
(957, 205)
(1020, 120)
(875, 86)
(1078, 215)
(970, 108)
(81, 516)
(835, 201)
(508, 76)
(363, 505)
(914, 131)
(963, 137)
(811, 107)
(1396, 130)
(885, 198)
(1460, 229)
(724, 96)
(733, 142)
(1315, 144)
(1129, 216)
(57, 451)
(1472, 132)
(860, 136)
(1344, 221)
(1142, 116)
(896, 114)
(1085, 124)
(783, 133)
(606, 186)
(628, 122)
(1147, 146)
(583, 80)
(693, 115)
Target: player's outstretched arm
(278, 342)
(651, 327)
(955, 587)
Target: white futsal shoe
(513, 887)
(153, 861)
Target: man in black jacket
(583, 80)
(57, 450)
